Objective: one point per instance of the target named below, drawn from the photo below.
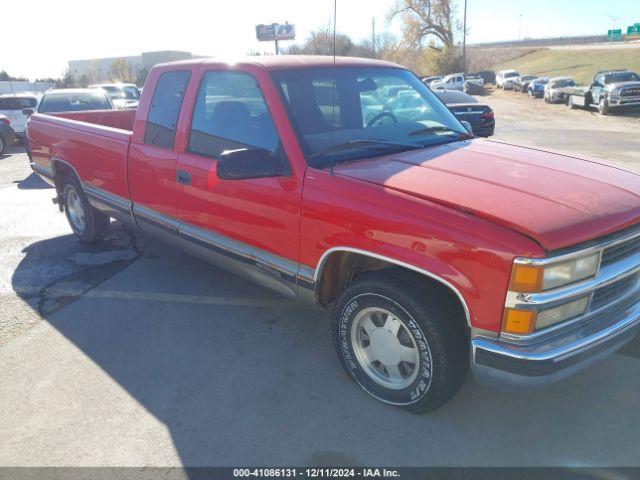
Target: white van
(18, 107)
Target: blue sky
(498, 19)
(74, 29)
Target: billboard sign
(275, 31)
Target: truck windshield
(370, 112)
(117, 92)
(621, 77)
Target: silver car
(553, 89)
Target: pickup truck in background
(455, 81)
(437, 252)
(609, 90)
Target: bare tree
(120, 71)
(425, 20)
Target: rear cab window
(165, 107)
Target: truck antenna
(333, 90)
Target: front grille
(613, 292)
(630, 92)
(618, 252)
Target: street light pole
(464, 39)
(519, 27)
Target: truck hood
(555, 199)
(613, 86)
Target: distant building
(100, 69)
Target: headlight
(530, 278)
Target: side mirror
(28, 112)
(467, 126)
(248, 163)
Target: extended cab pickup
(437, 252)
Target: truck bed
(578, 91)
(94, 143)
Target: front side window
(374, 111)
(165, 108)
(230, 113)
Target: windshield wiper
(437, 128)
(363, 142)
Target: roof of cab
(288, 62)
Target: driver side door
(250, 226)
(596, 88)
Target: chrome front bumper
(611, 320)
(624, 101)
(507, 364)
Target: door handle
(183, 177)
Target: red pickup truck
(437, 252)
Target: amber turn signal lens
(520, 322)
(526, 278)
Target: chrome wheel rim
(75, 208)
(385, 348)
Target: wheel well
(341, 268)
(61, 171)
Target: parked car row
(17, 108)
(609, 90)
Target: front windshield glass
(621, 77)
(371, 111)
(511, 74)
(115, 93)
(566, 82)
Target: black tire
(95, 224)
(603, 106)
(437, 328)
(3, 145)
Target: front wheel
(603, 106)
(3, 145)
(87, 223)
(403, 345)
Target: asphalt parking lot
(130, 353)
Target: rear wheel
(87, 223)
(3, 145)
(402, 344)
